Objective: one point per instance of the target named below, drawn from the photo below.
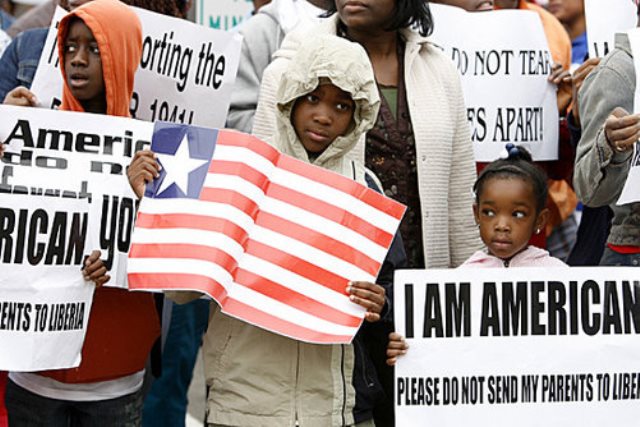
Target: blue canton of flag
(184, 152)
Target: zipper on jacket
(344, 386)
(295, 395)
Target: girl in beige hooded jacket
(255, 377)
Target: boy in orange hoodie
(100, 46)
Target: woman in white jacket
(420, 146)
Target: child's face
(507, 215)
(321, 116)
(83, 67)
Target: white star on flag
(178, 167)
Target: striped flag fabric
(272, 239)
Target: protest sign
(274, 240)
(604, 19)
(222, 14)
(77, 156)
(526, 346)
(64, 193)
(44, 300)
(504, 71)
(631, 190)
(186, 74)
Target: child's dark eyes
(343, 106)
(72, 48)
(488, 212)
(519, 214)
(311, 98)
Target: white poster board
(186, 74)
(63, 193)
(81, 156)
(504, 73)
(550, 347)
(44, 300)
(605, 18)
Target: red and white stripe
(274, 240)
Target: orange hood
(118, 32)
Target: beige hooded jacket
(347, 66)
(444, 154)
(255, 377)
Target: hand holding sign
(562, 78)
(21, 97)
(622, 129)
(396, 347)
(368, 295)
(143, 169)
(95, 270)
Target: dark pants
(166, 404)
(592, 236)
(383, 412)
(614, 259)
(27, 409)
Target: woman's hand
(95, 270)
(143, 169)
(368, 295)
(396, 347)
(562, 79)
(21, 97)
(622, 129)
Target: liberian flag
(272, 239)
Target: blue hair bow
(512, 151)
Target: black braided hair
(518, 164)
(407, 14)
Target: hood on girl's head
(118, 32)
(346, 65)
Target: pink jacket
(530, 257)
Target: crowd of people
(355, 87)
